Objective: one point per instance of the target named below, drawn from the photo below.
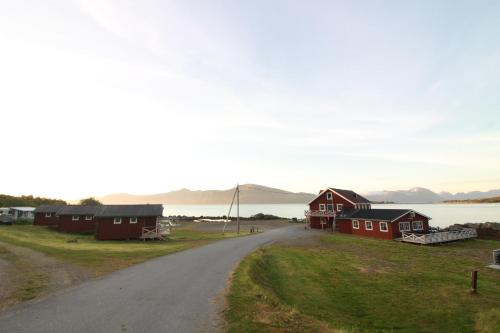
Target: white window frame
(329, 196)
(366, 225)
(341, 207)
(329, 210)
(117, 220)
(75, 218)
(322, 207)
(421, 225)
(48, 214)
(412, 214)
(404, 223)
(88, 217)
(133, 220)
(355, 224)
(386, 226)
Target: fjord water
(442, 215)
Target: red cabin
(348, 212)
(77, 219)
(47, 215)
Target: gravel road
(181, 292)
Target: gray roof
(351, 195)
(377, 214)
(49, 208)
(130, 210)
(79, 210)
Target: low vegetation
(341, 283)
(101, 257)
(472, 201)
(27, 200)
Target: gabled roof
(349, 195)
(49, 208)
(130, 210)
(23, 209)
(79, 210)
(390, 215)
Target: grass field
(101, 257)
(350, 284)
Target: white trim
(421, 225)
(332, 206)
(48, 214)
(341, 207)
(357, 222)
(366, 225)
(134, 221)
(88, 217)
(75, 218)
(117, 220)
(411, 210)
(409, 226)
(324, 208)
(329, 196)
(380, 226)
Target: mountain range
(258, 194)
(249, 194)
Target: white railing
(439, 237)
(157, 232)
(326, 213)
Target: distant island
(473, 201)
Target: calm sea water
(442, 214)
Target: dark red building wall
(375, 233)
(66, 224)
(397, 233)
(343, 226)
(40, 219)
(107, 230)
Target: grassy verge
(101, 257)
(29, 281)
(353, 284)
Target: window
(339, 207)
(48, 214)
(418, 225)
(322, 207)
(412, 214)
(355, 224)
(383, 226)
(117, 220)
(329, 207)
(404, 226)
(75, 218)
(88, 217)
(329, 196)
(133, 220)
(368, 225)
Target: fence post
(473, 282)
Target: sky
(106, 96)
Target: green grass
(102, 257)
(353, 284)
(29, 281)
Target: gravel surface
(180, 292)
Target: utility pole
(238, 206)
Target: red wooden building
(47, 215)
(348, 212)
(127, 221)
(78, 218)
(105, 221)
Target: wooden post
(238, 206)
(473, 282)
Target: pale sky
(101, 96)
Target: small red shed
(47, 215)
(126, 221)
(78, 218)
